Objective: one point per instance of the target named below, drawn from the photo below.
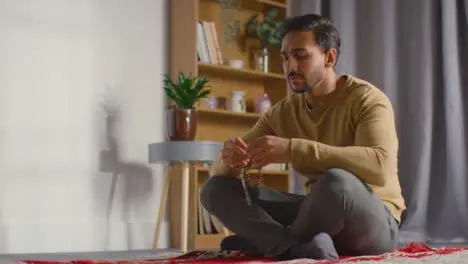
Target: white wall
(60, 60)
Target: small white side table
(183, 152)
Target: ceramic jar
(238, 101)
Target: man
(339, 131)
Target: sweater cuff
(296, 149)
(303, 151)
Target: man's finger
(235, 159)
(235, 151)
(259, 157)
(238, 160)
(239, 163)
(239, 151)
(239, 156)
(259, 164)
(239, 142)
(256, 147)
(228, 146)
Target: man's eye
(302, 56)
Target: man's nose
(291, 65)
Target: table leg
(185, 206)
(162, 207)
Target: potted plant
(182, 115)
(266, 29)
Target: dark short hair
(325, 32)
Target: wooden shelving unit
(279, 4)
(228, 114)
(221, 124)
(238, 73)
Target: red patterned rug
(413, 253)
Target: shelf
(225, 113)
(208, 241)
(221, 124)
(272, 3)
(243, 73)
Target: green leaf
(259, 32)
(204, 94)
(266, 31)
(181, 77)
(187, 91)
(171, 94)
(272, 13)
(201, 83)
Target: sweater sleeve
(372, 156)
(261, 128)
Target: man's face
(303, 61)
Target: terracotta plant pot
(182, 124)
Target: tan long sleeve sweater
(355, 132)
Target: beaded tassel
(246, 178)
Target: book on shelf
(208, 47)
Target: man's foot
(237, 243)
(320, 247)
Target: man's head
(309, 49)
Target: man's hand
(234, 153)
(269, 149)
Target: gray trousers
(339, 204)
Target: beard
(307, 84)
(304, 88)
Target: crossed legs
(339, 205)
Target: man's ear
(330, 58)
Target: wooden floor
(101, 255)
